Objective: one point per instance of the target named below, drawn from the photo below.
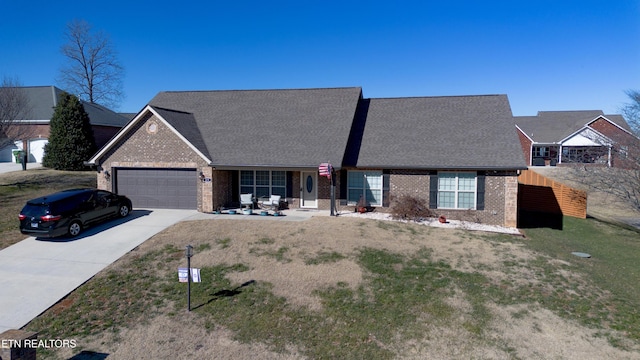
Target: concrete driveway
(36, 273)
(11, 166)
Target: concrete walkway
(35, 274)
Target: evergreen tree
(71, 140)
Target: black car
(68, 212)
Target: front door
(308, 189)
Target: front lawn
(17, 187)
(353, 288)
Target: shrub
(411, 208)
(71, 140)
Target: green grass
(613, 271)
(356, 323)
(16, 188)
(324, 257)
(224, 243)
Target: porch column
(560, 155)
(609, 157)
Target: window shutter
(235, 184)
(343, 186)
(385, 188)
(289, 184)
(480, 191)
(433, 191)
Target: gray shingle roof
(284, 128)
(100, 115)
(185, 124)
(43, 99)
(553, 126)
(451, 132)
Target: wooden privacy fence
(535, 196)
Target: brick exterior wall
(142, 148)
(525, 143)
(501, 196)
(324, 192)
(607, 129)
(621, 139)
(408, 182)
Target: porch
(556, 154)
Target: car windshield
(35, 210)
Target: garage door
(159, 188)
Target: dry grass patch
(334, 288)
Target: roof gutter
(266, 167)
(443, 167)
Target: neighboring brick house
(202, 149)
(34, 131)
(575, 137)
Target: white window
(365, 184)
(263, 183)
(457, 190)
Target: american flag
(325, 169)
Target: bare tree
(93, 72)
(631, 111)
(14, 107)
(623, 179)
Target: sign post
(189, 254)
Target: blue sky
(545, 55)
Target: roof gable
(253, 128)
(184, 122)
(551, 127)
(586, 137)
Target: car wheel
(75, 228)
(124, 210)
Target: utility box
(12, 345)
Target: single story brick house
(202, 149)
(34, 131)
(575, 137)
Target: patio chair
(273, 203)
(246, 200)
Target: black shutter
(386, 178)
(480, 195)
(235, 185)
(289, 190)
(433, 190)
(343, 187)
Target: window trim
(364, 187)
(254, 182)
(545, 153)
(456, 191)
